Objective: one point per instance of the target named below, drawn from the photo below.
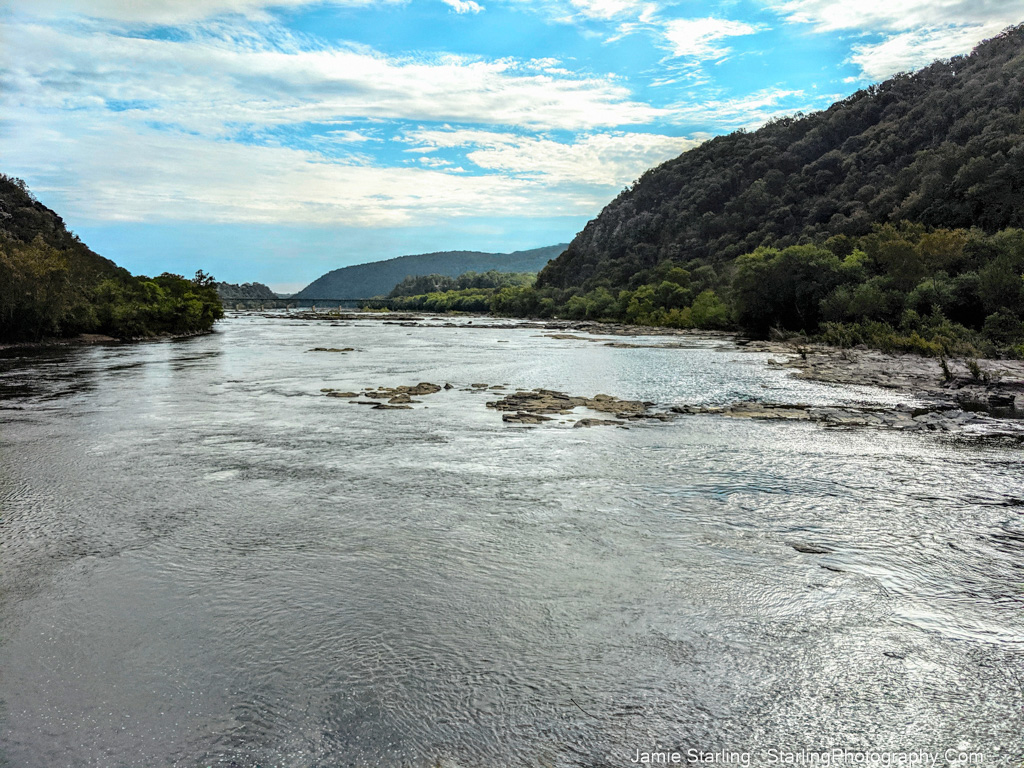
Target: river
(208, 562)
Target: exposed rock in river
(810, 549)
(598, 423)
(541, 401)
(397, 397)
(522, 417)
(940, 417)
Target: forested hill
(245, 291)
(52, 285)
(23, 219)
(943, 147)
(379, 277)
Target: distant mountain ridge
(379, 277)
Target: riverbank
(93, 339)
(971, 384)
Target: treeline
(900, 287)
(52, 285)
(419, 285)
(245, 291)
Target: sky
(273, 142)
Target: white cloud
(124, 174)
(464, 6)
(610, 9)
(751, 111)
(347, 137)
(160, 11)
(208, 83)
(116, 127)
(606, 160)
(915, 32)
(898, 15)
(910, 50)
(698, 38)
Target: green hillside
(890, 218)
(52, 285)
(378, 278)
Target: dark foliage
(891, 219)
(943, 147)
(234, 291)
(52, 285)
(424, 284)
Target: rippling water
(207, 562)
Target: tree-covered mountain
(53, 285)
(892, 218)
(943, 147)
(379, 277)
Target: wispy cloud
(611, 9)
(206, 83)
(913, 32)
(604, 160)
(170, 176)
(464, 6)
(886, 15)
(188, 127)
(164, 11)
(700, 38)
(910, 50)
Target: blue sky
(273, 142)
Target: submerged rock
(938, 417)
(522, 417)
(810, 549)
(550, 401)
(402, 398)
(397, 397)
(598, 423)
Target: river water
(207, 562)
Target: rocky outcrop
(549, 401)
(599, 423)
(398, 398)
(524, 417)
(935, 418)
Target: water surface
(208, 562)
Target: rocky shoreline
(93, 339)
(950, 420)
(963, 398)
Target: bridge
(373, 303)
(376, 302)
